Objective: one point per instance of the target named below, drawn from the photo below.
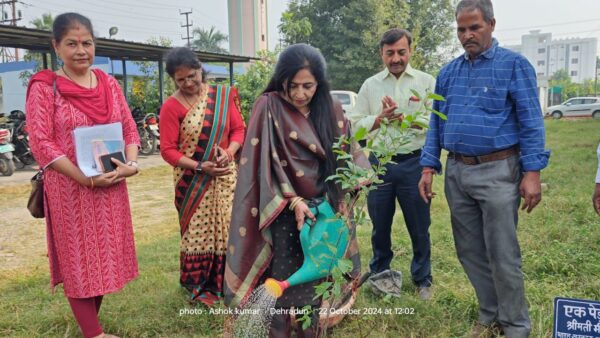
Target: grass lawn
(560, 242)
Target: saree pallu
(202, 201)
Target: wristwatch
(135, 165)
(199, 167)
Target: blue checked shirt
(491, 104)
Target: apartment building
(576, 55)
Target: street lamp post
(112, 31)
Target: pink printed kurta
(89, 232)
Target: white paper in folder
(86, 137)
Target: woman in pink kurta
(88, 221)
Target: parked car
(576, 106)
(347, 98)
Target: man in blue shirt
(495, 137)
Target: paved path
(22, 176)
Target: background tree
(434, 42)
(144, 90)
(252, 83)
(568, 89)
(43, 23)
(348, 31)
(341, 31)
(296, 29)
(209, 40)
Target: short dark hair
(182, 57)
(66, 21)
(484, 6)
(390, 37)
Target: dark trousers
(400, 183)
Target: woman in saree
(201, 131)
(286, 159)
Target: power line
(560, 34)
(547, 25)
(97, 15)
(104, 13)
(146, 5)
(211, 18)
(133, 27)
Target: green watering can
(323, 245)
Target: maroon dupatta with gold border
(280, 160)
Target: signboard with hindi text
(576, 318)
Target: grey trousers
(484, 204)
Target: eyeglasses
(192, 77)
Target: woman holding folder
(88, 222)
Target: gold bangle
(92, 182)
(294, 202)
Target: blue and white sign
(576, 318)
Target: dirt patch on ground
(23, 238)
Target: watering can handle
(305, 231)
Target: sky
(139, 20)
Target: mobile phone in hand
(107, 164)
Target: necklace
(305, 114)
(186, 99)
(70, 78)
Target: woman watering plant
(286, 159)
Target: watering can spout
(323, 244)
(275, 288)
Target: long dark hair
(293, 59)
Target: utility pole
(187, 25)
(16, 16)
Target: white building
(576, 55)
(247, 26)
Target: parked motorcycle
(147, 126)
(7, 165)
(20, 139)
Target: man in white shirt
(388, 95)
